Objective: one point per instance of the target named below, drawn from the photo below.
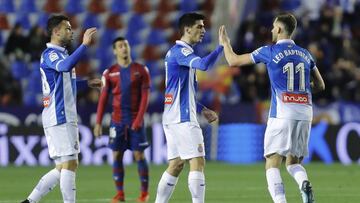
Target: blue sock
(118, 175)
(143, 171)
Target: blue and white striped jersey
(181, 85)
(58, 87)
(289, 69)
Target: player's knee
(139, 155)
(117, 155)
(291, 160)
(197, 164)
(175, 167)
(273, 161)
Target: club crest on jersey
(186, 51)
(295, 98)
(53, 56)
(46, 101)
(168, 98)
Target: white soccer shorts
(62, 140)
(287, 137)
(184, 140)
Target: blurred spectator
(16, 45)
(37, 43)
(10, 90)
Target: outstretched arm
(65, 65)
(208, 61)
(232, 58)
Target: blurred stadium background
(330, 29)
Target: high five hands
(223, 36)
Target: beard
(66, 42)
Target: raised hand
(223, 36)
(97, 130)
(88, 35)
(210, 115)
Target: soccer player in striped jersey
(293, 77)
(129, 84)
(183, 134)
(59, 115)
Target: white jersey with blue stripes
(289, 69)
(181, 85)
(59, 88)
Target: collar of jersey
(285, 41)
(49, 45)
(184, 44)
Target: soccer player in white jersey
(183, 134)
(293, 77)
(59, 115)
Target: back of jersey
(289, 69)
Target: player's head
(121, 47)
(285, 25)
(59, 29)
(191, 26)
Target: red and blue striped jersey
(129, 87)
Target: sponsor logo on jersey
(46, 101)
(168, 98)
(186, 51)
(295, 98)
(136, 74)
(114, 74)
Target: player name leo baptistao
(289, 52)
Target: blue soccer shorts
(121, 138)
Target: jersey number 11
(289, 69)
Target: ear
(187, 30)
(56, 31)
(279, 30)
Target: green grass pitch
(225, 183)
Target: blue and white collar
(49, 45)
(184, 44)
(285, 41)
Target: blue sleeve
(186, 57)
(54, 61)
(261, 55)
(209, 60)
(312, 62)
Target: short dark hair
(289, 22)
(54, 21)
(116, 40)
(188, 20)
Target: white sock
(45, 185)
(67, 186)
(298, 172)
(275, 185)
(197, 186)
(165, 188)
